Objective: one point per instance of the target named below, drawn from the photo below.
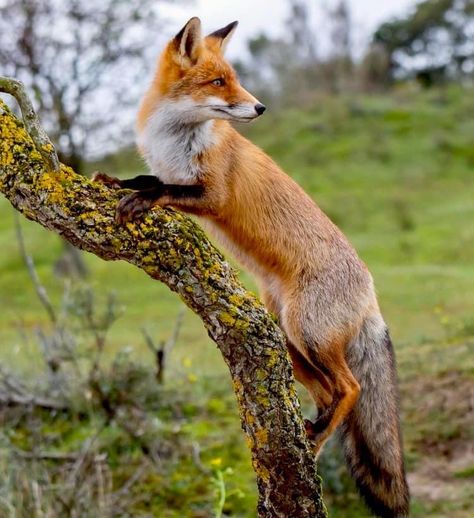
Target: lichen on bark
(171, 248)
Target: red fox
(310, 276)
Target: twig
(41, 141)
(115, 497)
(46, 404)
(196, 453)
(12, 393)
(176, 330)
(70, 457)
(82, 457)
(30, 265)
(101, 498)
(36, 490)
(158, 352)
(163, 350)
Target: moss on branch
(45, 147)
(171, 248)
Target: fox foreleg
(139, 183)
(150, 191)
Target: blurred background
(113, 401)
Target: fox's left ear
(223, 36)
(188, 42)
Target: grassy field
(395, 172)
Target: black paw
(131, 207)
(309, 428)
(314, 429)
(109, 181)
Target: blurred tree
(284, 66)
(433, 43)
(290, 66)
(85, 62)
(301, 33)
(374, 70)
(339, 65)
(83, 59)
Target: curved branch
(171, 248)
(16, 89)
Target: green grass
(395, 173)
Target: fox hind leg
(332, 387)
(323, 370)
(345, 396)
(317, 384)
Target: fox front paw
(109, 181)
(311, 432)
(131, 207)
(315, 435)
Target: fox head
(194, 75)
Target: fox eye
(218, 82)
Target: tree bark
(171, 248)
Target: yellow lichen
(273, 356)
(6, 157)
(261, 437)
(263, 401)
(48, 148)
(249, 418)
(183, 236)
(241, 324)
(238, 387)
(249, 441)
(226, 319)
(261, 471)
(237, 300)
(48, 182)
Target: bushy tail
(371, 435)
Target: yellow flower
(216, 463)
(187, 362)
(192, 378)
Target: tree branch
(171, 248)
(43, 144)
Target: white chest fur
(172, 142)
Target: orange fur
(265, 217)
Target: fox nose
(260, 108)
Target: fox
(308, 273)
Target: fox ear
(188, 41)
(224, 35)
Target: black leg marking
(143, 182)
(184, 191)
(322, 421)
(134, 205)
